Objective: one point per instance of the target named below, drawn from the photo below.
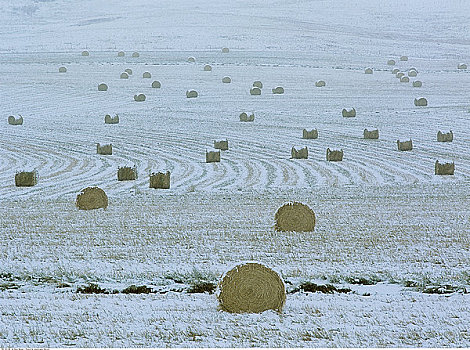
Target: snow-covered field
(387, 228)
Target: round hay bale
(226, 80)
(255, 91)
(156, 84)
(391, 62)
(251, 287)
(461, 66)
(395, 70)
(62, 70)
(207, 68)
(92, 198)
(124, 75)
(121, 54)
(404, 58)
(412, 73)
(417, 83)
(146, 75)
(135, 54)
(225, 50)
(404, 79)
(85, 53)
(369, 71)
(139, 98)
(128, 71)
(102, 87)
(258, 84)
(191, 59)
(278, 90)
(191, 94)
(294, 216)
(320, 83)
(399, 75)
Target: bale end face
(294, 216)
(92, 198)
(251, 288)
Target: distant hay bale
(302, 153)
(15, 121)
(461, 66)
(127, 173)
(26, 178)
(404, 80)
(444, 168)
(247, 118)
(128, 71)
(320, 83)
(139, 98)
(102, 87)
(348, 114)
(111, 120)
(121, 54)
(399, 75)
(85, 53)
(312, 134)
(334, 155)
(212, 156)
(447, 137)
(404, 58)
(146, 75)
(191, 59)
(278, 90)
(255, 91)
(135, 54)
(225, 50)
(294, 216)
(395, 70)
(417, 83)
(91, 198)
(207, 68)
(412, 73)
(421, 102)
(105, 150)
(258, 84)
(372, 134)
(405, 145)
(160, 180)
(156, 84)
(124, 75)
(368, 71)
(222, 145)
(191, 94)
(251, 288)
(391, 62)
(226, 80)
(62, 70)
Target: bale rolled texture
(251, 288)
(294, 216)
(91, 198)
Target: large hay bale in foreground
(372, 134)
(258, 84)
(255, 91)
(91, 198)
(160, 180)
(251, 287)
(444, 168)
(111, 120)
(334, 155)
(447, 137)
(421, 102)
(207, 68)
(348, 114)
(226, 80)
(26, 178)
(405, 145)
(294, 216)
(139, 98)
(247, 118)
(85, 53)
(62, 70)
(156, 84)
(301, 153)
(102, 87)
(121, 54)
(127, 173)
(124, 75)
(368, 71)
(312, 134)
(222, 145)
(146, 75)
(15, 121)
(191, 94)
(278, 90)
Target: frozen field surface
(387, 228)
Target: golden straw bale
(294, 216)
(251, 288)
(91, 198)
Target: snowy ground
(383, 216)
